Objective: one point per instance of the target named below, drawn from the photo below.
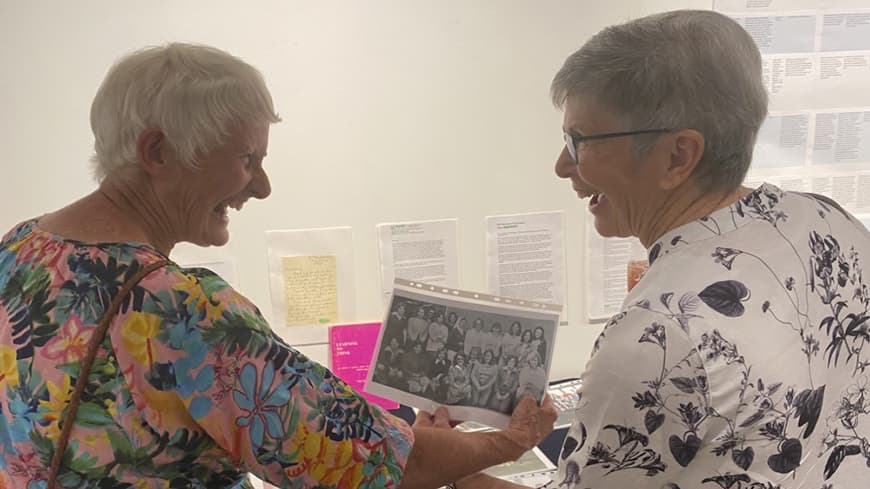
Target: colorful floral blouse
(190, 388)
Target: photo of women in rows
(462, 354)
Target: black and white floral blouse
(738, 361)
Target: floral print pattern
(190, 388)
(739, 361)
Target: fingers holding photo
(530, 422)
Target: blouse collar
(762, 203)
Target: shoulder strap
(87, 362)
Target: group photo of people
(461, 356)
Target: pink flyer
(350, 352)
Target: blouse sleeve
(643, 407)
(199, 357)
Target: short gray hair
(683, 69)
(195, 94)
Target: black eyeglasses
(572, 141)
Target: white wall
(393, 110)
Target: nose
(260, 186)
(565, 166)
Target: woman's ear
(685, 150)
(152, 151)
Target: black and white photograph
(474, 353)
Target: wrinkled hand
(530, 423)
(438, 420)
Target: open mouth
(596, 199)
(222, 209)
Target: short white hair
(194, 94)
(685, 69)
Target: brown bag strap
(87, 362)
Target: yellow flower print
(138, 334)
(322, 459)
(100, 439)
(197, 296)
(14, 247)
(8, 366)
(58, 398)
(111, 408)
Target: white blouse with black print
(738, 361)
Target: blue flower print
(260, 403)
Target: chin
(212, 239)
(608, 230)
(219, 240)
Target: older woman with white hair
(120, 368)
(739, 360)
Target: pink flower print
(71, 341)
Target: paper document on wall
(426, 251)
(816, 67)
(815, 54)
(311, 282)
(608, 266)
(782, 141)
(764, 5)
(842, 137)
(310, 290)
(525, 256)
(783, 33)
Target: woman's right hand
(531, 423)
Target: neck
(686, 204)
(139, 211)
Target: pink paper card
(351, 347)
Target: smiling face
(620, 187)
(197, 200)
(527, 336)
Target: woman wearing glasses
(739, 359)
